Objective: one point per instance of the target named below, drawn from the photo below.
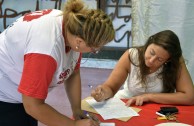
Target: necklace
(76, 61)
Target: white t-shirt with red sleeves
(34, 57)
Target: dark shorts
(12, 114)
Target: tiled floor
(58, 99)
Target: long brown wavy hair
(170, 42)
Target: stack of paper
(112, 108)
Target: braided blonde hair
(93, 26)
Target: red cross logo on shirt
(35, 15)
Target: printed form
(112, 108)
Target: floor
(89, 75)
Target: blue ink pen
(87, 114)
(91, 117)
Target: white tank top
(133, 86)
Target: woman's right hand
(98, 94)
(86, 122)
(101, 93)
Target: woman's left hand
(138, 100)
(81, 114)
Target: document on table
(112, 108)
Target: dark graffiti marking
(118, 6)
(11, 13)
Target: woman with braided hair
(41, 50)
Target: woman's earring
(165, 63)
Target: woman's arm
(73, 89)
(44, 113)
(115, 80)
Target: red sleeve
(37, 75)
(77, 67)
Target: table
(148, 116)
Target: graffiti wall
(119, 10)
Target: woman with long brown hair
(155, 72)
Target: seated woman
(155, 72)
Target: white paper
(107, 124)
(172, 124)
(112, 108)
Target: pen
(160, 114)
(86, 113)
(91, 87)
(90, 117)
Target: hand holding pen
(92, 117)
(101, 93)
(83, 118)
(98, 93)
